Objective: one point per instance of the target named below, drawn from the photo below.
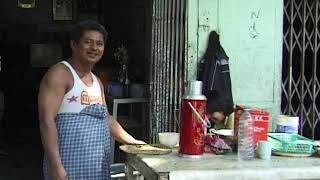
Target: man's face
(217, 116)
(89, 48)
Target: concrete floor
(24, 157)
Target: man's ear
(73, 44)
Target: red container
(261, 123)
(192, 129)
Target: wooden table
(171, 166)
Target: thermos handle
(205, 121)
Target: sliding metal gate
(300, 72)
(167, 67)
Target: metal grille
(167, 70)
(300, 76)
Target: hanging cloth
(214, 71)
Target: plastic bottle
(246, 136)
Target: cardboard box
(261, 123)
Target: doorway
(300, 70)
(126, 23)
(154, 32)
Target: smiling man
(75, 124)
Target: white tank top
(80, 95)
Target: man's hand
(58, 173)
(139, 142)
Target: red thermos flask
(193, 122)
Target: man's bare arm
(52, 89)
(120, 134)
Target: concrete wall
(251, 33)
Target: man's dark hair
(87, 25)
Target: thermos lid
(195, 88)
(194, 91)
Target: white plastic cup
(264, 150)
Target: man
(73, 114)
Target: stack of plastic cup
(287, 124)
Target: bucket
(136, 90)
(287, 124)
(114, 89)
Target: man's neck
(82, 69)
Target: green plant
(121, 55)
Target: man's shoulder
(59, 69)
(59, 72)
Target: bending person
(74, 121)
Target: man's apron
(84, 144)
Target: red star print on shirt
(73, 99)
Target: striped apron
(84, 144)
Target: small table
(210, 166)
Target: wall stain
(253, 32)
